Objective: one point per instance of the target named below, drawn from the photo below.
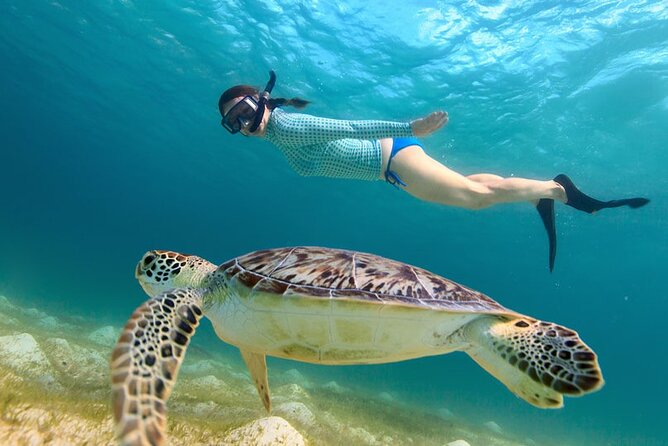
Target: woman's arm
(302, 129)
(305, 129)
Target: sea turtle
(327, 306)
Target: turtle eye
(148, 259)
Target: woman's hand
(430, 123)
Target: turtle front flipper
(257, 366)
(146, 361)
(538, 361)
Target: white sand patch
(49, 322)
(21, 352)
(362, 436)
(33, 426)
(35, 313)
(295, 376)
(271, 431)
(458, 443)
(298, 412)
(5, 304)
(106, 336)
(291, 392)
(334, 387)
(82, 365)
(445, 413)
(328, 419)
(205, 367)
(7, 310)
(208, 383)
(491, 425)
(387, 397)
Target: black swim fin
(545, 209)
(578, 200)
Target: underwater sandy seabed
(54, 390)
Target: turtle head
(159, 271)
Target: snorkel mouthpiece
(262, 103)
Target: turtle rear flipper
(146, 361)
(538, 361)
(257, 367)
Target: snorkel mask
(248, 110)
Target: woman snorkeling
(376, 150)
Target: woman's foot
(577, 199)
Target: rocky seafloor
(54, 390)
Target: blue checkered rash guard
(332, 148)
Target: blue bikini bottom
(397, 144)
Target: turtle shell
(340, 274)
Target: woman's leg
(484, 177)
(430, 180)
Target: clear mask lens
(240, 115)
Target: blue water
(111, 145)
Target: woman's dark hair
(246, 90)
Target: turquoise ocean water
(111, 145)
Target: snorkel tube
(262, 103)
